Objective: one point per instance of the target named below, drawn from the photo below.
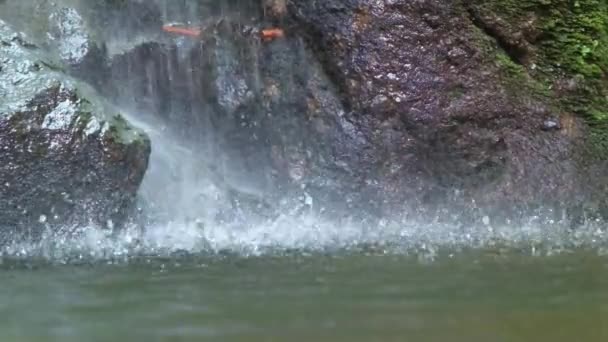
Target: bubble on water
(486, 220)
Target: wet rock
(267, 109)
(230, 58)
(149, 78)
(67, 29)
(448, 118)
(66, 158)
(203, 92)
(276, 9)
(60, 28)
(73, 41)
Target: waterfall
(212, 182)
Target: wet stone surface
(65, 157)
(447, 126)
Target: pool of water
(364, 295)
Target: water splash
(300, 234)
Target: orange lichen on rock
(273, 33)
(184, 31)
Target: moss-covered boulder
(65, 157)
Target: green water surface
(468, 296)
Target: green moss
(121, 131)
(570, 42)
(84, 118)
(514, 75)
(577, 37)
(119, 125)
(507, 65)
(517, 76)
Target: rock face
(430, 108)
(65, 158)
(563, 45)
(445, 117)
(72, 40)
(267, 110)
(67, 29)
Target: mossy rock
(562, 43)
(67, 158)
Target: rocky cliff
(434, 109)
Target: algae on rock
(563, 43)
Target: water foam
(300, 234)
